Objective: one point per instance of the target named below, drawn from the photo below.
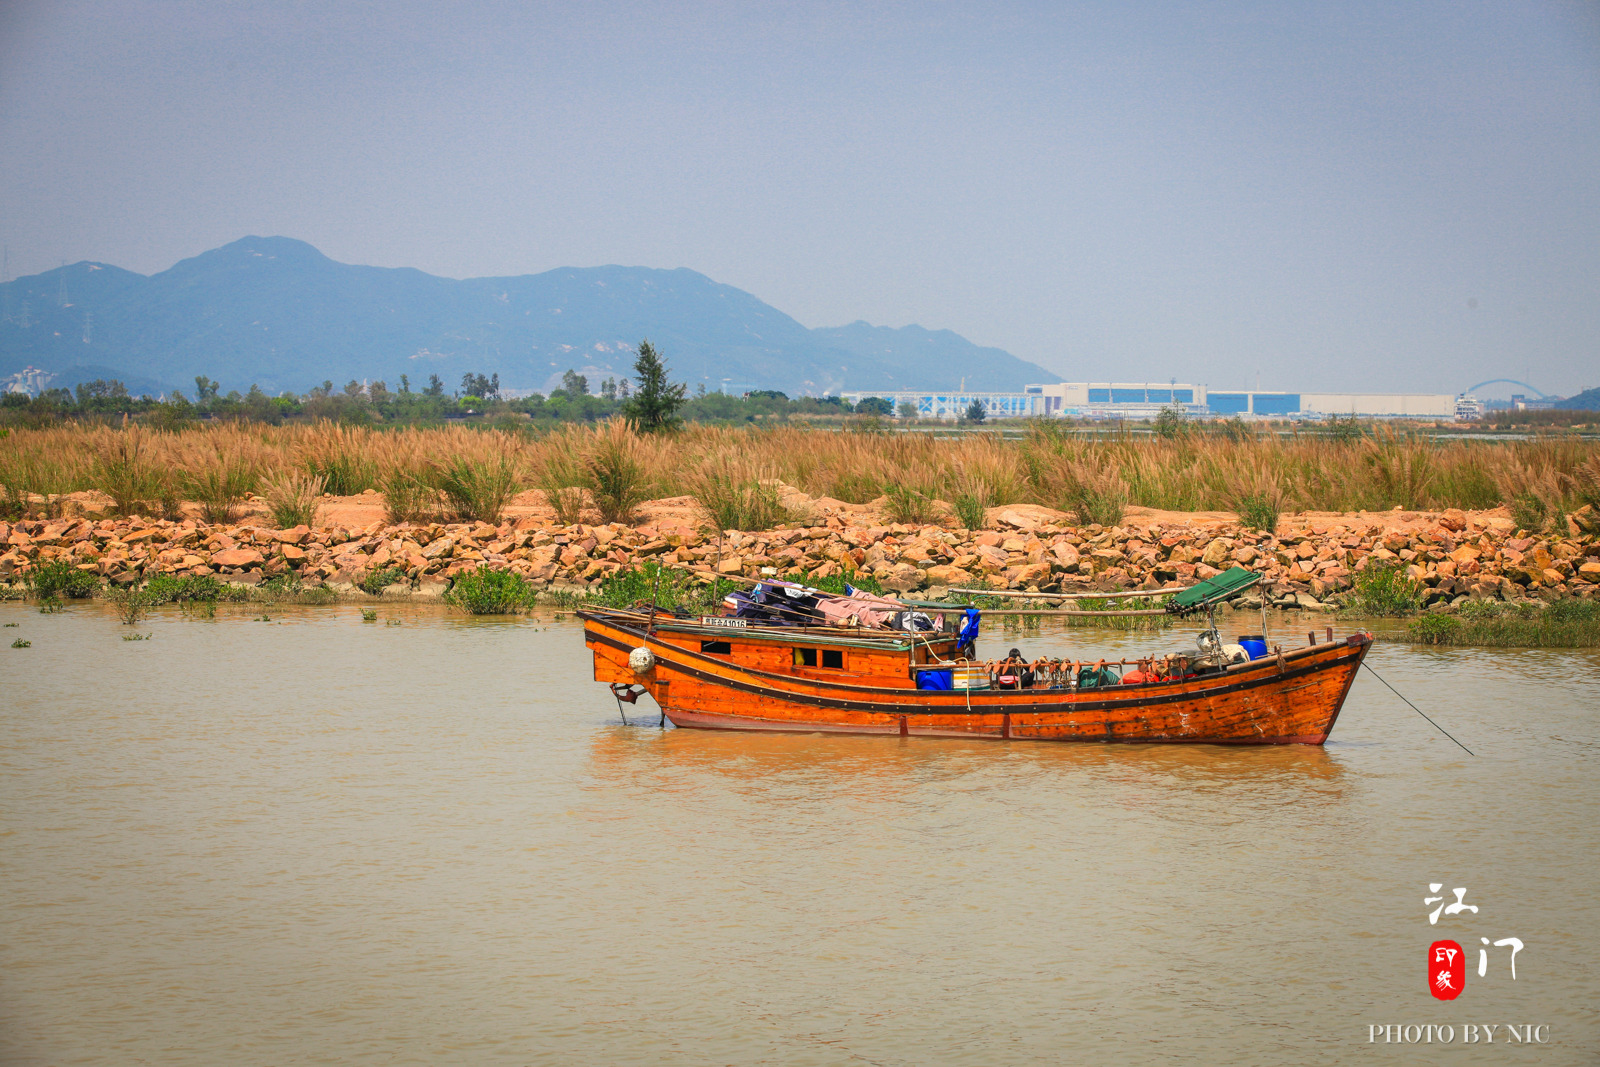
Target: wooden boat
(723, 674)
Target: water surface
(313, 839)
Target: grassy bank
(1495, 624)
(603, 472)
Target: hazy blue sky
(1380, 196)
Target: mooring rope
(1416, 709)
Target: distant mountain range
(276, 312)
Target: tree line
(650, 399)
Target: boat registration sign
(719, 620)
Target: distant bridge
(1509, 381)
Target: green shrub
(491, 592)
(836, 583)
(668, 588)
(1435, 630)
(171, 589)
(970, 508)
(374, 582)
(131, 602)
(1258, 512)
(59, 578)
(1384, 589)
(1169, 423)
(20, 643)
(1529, 512)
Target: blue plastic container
(1255, 645)
(935, 679)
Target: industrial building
(1146, 400)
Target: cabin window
(716, 648)
(832, 658)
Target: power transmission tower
(61, 290)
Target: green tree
(975, 413)
(654, 407)
(574, 383)
(874, 405)
(435, 386)
(205, 388)
(1169, 423)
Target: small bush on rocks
(662, 586)
(374, 582)
(1385, 590)
(970, 508)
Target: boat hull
(1289, 698)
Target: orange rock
(236, 557)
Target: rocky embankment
(1309, 561)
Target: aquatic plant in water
(490, 592)
(58, 578)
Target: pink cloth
(870, 609)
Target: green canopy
(1230, 582)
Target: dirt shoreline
(1309, 559)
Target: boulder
(236, 557)
(1454, 520)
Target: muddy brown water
(318, 840)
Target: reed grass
(292, 497)
(479, 489)
(616, 473)
(126, 470)
(602, 470)
(219, 479)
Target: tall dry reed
(596, 471)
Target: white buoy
(641, 660)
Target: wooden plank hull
(1293, 698)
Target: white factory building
(1145, 400)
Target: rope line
(1416, 709)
